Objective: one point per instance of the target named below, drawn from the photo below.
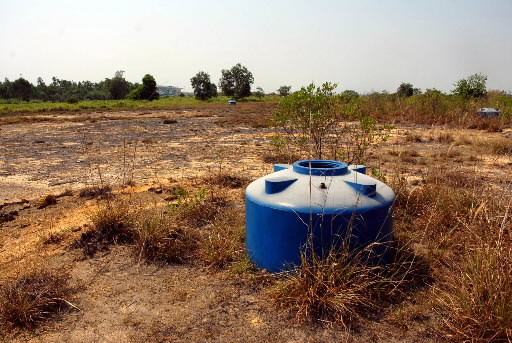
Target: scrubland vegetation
(451, 271)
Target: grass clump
(477, 294)
(32, 298)
(224, 241)
(113, 223)
(159, 239)
(478, 297)
(345, 286)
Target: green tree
(236, 82)
(146, 91)
(473, 86)
(259, 93)
(6, 89)
(118, 86)
(22, 89)
(203, 88)
(407, 90)
(284, 90)
(349, 95)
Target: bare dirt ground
(123, 300)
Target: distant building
(168, 90)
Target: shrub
(317, 123)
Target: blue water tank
(318, 199)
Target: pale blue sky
(361, 44)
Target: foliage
(317, 123)
(473, 86)
(118, 86)
(236, 82)
(284, 90)
(22, 89)
(349, 95)
(203, 88)
(407, 90)
(259, 93)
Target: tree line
(58, 90)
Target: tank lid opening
(320, 167)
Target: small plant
(34, 297)
(224, 241)
(197, 209)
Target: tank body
(320, 203)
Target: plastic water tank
(319, 199)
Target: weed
(34, 297)
(198, 209)
(478, 297)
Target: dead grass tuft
(32, 298)
(477, 294)
(113, 223)
(344, 286)
(159, 239)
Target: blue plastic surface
(286, 207)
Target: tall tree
(22, 89)
(473, 86)
(118, 86)
(407, 90)
(146, 91)
(203, 88)
(284, 90)
(236, 82)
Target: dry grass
(224, 242)
(477, 295)
(464, 228)
(113, 223)
(345, 286)
(48, 200)
(34, 297)
(101, 192)
(159, 239)
(227, 180)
